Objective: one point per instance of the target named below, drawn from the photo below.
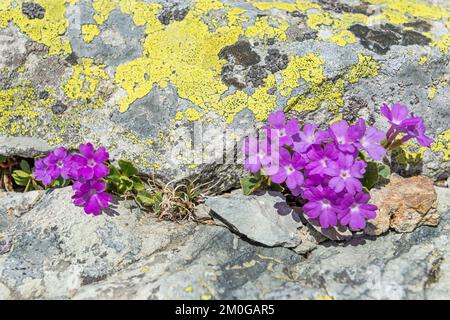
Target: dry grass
(176, 200)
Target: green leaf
(384, 171)
(113, 171)
(127, 182)
(138, 185)
(146, 199)
(3, 158)
(121, 189)
(127, 168)
(21, 178)
(371, 176)
(252, 183)
(25, 166)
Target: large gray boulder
(172, 84)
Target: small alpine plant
(332, 168)
(86, 167)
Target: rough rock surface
(264, 218)
(403, 205)
(150, 80)
(54, 251)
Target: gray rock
(212, 83)
(407, 266)
(23, 146)
(55, 245)
(264, 218)
(55, 251)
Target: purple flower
(92, 197)
(288, 170)
(43, 172)
(368, 139)
(60, 163)
(339, 131)
(320, 158)
(396, 114)
(415, 128)
(92, 162)
(356, 210)
(281, 130)
(322, 204)
(345, 173)
(258, 154)
(308, 137)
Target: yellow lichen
(231, 105)
(308, 68)
(103, 8)
(414, 8)
(343, 38)
(431, 92)
(423, 60)
(84, 81)
(346, 20)
(89, 31)
(268, 28)
(47, 30)
(329, 94)
(366, 67)
(262, 103)
(410, 152)
(190, 114)
(315, 20)
(443, 43)
(299, 5)
(443, 145)
(395, 17)
(19, 112)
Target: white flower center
(345, 174)
(364, 142)
(326, 204)
(290, 169)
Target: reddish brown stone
(403, 205)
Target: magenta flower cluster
(86, 168)
(324, 166)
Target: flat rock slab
(264, 218)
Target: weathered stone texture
(52, 250)
(403, 205)
(136, 76)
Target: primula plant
(86, 169)
(333, 168)
(94, 179)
